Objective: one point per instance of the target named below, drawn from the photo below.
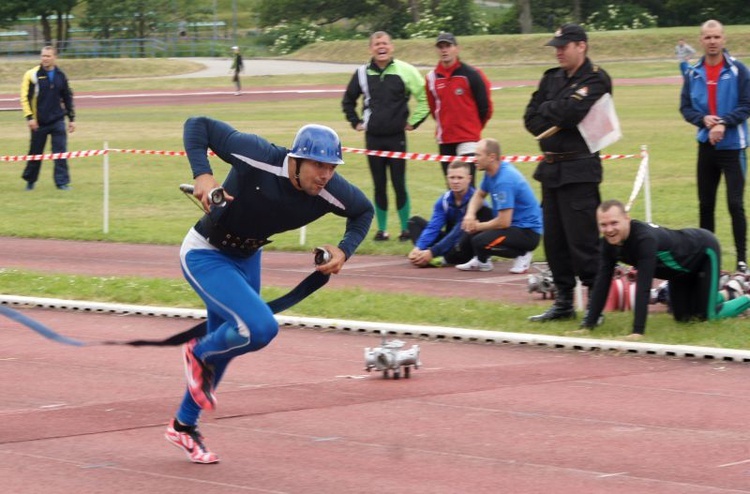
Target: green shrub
(620, 17)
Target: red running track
(280, 269)
(302, 416)
(216, 96)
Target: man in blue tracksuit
(442, 235)
(716, 99)
(269, 190)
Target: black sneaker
(742, 267)
(381, 236)
(404, 237)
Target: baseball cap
(567, 34)
(446, 38)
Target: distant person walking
(460, 101)
(716, 99)
(237, 67)
(386, 85)
(46, 99)
(684, 53)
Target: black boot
(562, 309)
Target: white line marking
(54, 405)
(606, 475)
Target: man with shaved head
(716, 99)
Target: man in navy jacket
(269, 190)
(716, 99)
(442, 235)
(46, 99)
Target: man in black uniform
(690, 259)
(570, 173)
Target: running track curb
(407, 330)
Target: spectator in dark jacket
(570, 173)
(386, 85)
(46, 99)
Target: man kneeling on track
(690, 259)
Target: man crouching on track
(269, 190)
(689, 258)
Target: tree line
(293, 23)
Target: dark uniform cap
(446, 38)
(567, 34)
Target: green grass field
(146, 207)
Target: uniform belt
(550, 157)
(227, 241)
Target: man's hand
(469, 224)
(716, 134)
(33, 124)
(716, 128)
(338, 258)
(204, 184)
(710, 120)
(71, 127)
(420, 258)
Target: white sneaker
(522, 263)
(476, 265)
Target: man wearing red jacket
(460, 102)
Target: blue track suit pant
(239, 321)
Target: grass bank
(146, 207)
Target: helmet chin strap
(298, 165)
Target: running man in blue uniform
(269, 190)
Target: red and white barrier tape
(440, 157)
(640, 178)
(386, 154)
(55, 156)
(151, 152)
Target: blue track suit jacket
(445, 214)
(732, 99)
